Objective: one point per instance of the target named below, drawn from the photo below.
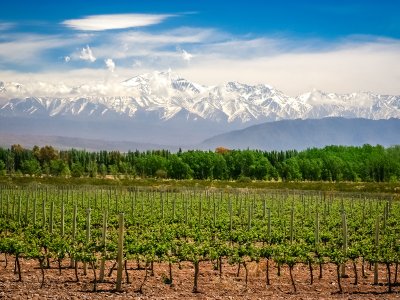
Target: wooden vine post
(214, 213)
(26, 210)
(230, 215)
(200, 211)
(120, 252)
(269, 222)
(376, 250)
(133, 201)
(264, 208)
(13, 209)
(74, 216)
(34, 211)
(44, 213)
(291, 224)
(103, 240)
(162, 205)
(62, 225)
(249, 217)
(51, 217)
(8, 207)
(316, 228)
(88, 211)
(184, 207)
(19, 209)
(345, 243)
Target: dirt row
(211, 284)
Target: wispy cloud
(351, 64)
(6, 26)
(136, 63)
(110, 64)
(28, 49)
(186, 56)
(115, 21)
(175, 36)
(87, 54)
(346, 67)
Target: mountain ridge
(164, 108)
(301, 134)
(62, 142)
(280, 135)
(167, 93)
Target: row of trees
(332, 163)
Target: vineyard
(118, 238)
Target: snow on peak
(170, 95)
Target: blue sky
(338, 46)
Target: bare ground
(211, 285)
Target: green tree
(262, 169)
(103, 170)
(333, 168)
(289, 170)
(92, 169)
(2, 168)
(219, 169)
(31, 167)
(177, 169)
(113, 170)
(77, 170)
(56, 167)
(47, 154)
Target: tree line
(332, 163)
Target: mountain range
(302, 134)
(162, 108)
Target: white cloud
(156, 50)
(67, 59)
(27, 49)
(6, 26)
(115, 21)
(87, 54)
(186, 55)
(110, 64)
(346, 68)
(176, 36)
(136, 63)
(294, 66)
(250, 47)
(133, 44)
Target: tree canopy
(332, 163)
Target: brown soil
(210, 284)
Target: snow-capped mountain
(164, 107)
(167, 94)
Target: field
(196, 242)
(392, 188)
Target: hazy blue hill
(301, 134)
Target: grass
(364, 187)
